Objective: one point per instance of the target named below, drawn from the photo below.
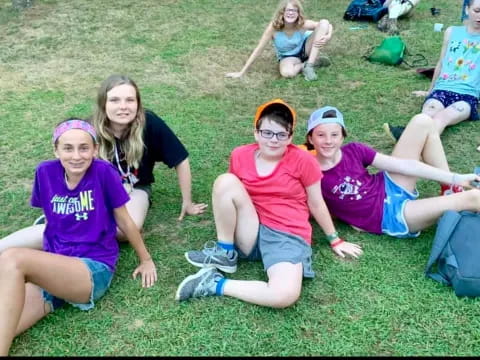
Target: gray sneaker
(309, 72)
(213, 255)
(203, 283)
(382, 23)
(392, 27)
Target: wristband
(332, 236)
(336, 243)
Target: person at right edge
(455, 87)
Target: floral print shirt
(460, 70)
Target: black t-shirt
(161, 144)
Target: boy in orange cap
(261, 209)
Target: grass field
(52, 59)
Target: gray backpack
(456, 252)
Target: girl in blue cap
(385, 202)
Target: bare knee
(322, 29)
(224, 183)
(285, 298)
(11, 260)
(473, 198)
(423, 121)
(288, 72)
(323, 26)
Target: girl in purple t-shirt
(83, 201)
(385, 202)
(133, 140)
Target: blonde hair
(278, 22)
(132, 139)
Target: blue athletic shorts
(273, 246)
(393, 220)
(101, 277)
(447, 98)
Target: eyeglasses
(269, 134)
(291, 11)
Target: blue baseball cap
(318, 117)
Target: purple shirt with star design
(351, 193)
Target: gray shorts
(273, 246)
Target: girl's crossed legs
(421, 141)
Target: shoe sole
(187, 279)
(314, 79)
(40, 220)
(224, 268)
(388, 132)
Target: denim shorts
(447, 98)
(101, 277)
(302, 54)
(393, 220)
(274, 246)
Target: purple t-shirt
(80, 222)
(352, 194)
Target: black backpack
(365, 10)
(456, 252)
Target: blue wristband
(332, 236)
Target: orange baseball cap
(275, 103)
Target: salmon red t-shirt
(280, 198)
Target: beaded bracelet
(336, 243)
(332, 236)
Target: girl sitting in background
(297, 41)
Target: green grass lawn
(52, 59)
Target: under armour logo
(83, 216)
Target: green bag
(392, 51)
